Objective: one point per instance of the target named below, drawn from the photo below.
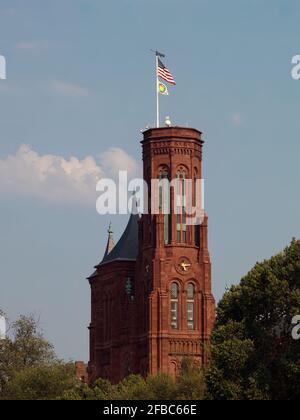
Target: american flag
(164, 73)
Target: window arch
(163, 171)
(182, 169)
(163, 174)
(173, 369)
(191, 306)
(174, 298)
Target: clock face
(183, 266)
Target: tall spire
(110, 242)
(127, 247)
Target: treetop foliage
(253, 353)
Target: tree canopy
(189, 385)
(253, 354)
(29, 368)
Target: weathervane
(158, 54)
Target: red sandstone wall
(133, 334)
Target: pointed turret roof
(127, 247)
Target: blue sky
(80, 85)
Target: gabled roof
(127, 247)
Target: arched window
(181, 206)
(196, 203)
(191, 306)
(164, 200)
(163, 173)
(174, 305)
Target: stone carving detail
(183, 347)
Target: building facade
(151, 298)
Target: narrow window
(164, 202)
(191, 306)
(181, 207)
(197, 235)
(178, 228)
(174, 305)
(197, 226)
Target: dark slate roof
(95, 274)
(127, 247)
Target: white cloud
(116, 159)
(68, 88)
(54, 178)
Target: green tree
(253, 355)
(29, 345)
(161, 387)
(134, 387)
(46, 382)
(190, 383)
(29, 368)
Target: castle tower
(176, 309)
(151, 296)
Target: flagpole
(157, 92)
(157, 54)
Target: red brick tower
(151, 295)
(176, 309)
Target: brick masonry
(131, 320)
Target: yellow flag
(162, 88)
